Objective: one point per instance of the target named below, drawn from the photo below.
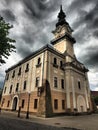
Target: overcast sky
(34, 20)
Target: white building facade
(51, 80)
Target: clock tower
(63, 41)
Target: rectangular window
(55, 63)
(63, 104)
(27, 68)
(25, 84)
(62, 83)
(55, 104)
(8, 103)
(37, 81)
(55, 82)
(10, 89)
(13, 74)
(39, 61)
(61, 63)
(7, 76)
(19, 73)
(79, 86)
(35, 103)
(17, 87)
(2, 102)
(23, 102)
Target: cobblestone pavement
(11, 121)
(16, 124)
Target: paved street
(16, 124)
(9, 121)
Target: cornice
(65, 36)
(36, 53)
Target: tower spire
(61, 17)
(60, 7)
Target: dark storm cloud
(40, 9)
(81, 36)
(92, 18)
(8, 15)
(95, 33)
(23, 50)
(79, 4)
(38, 13)
(80, 19)
(91, 57)
(89, 18)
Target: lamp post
(27, 114)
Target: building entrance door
(15, 100)
(81, 104)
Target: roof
(94, 93)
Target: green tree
(6, 46)
(96, 100)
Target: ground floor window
(63, 104)
(55, 104)
(35, 103)
(23, 102)
(3, 102)
(62, 83)
(8, 103)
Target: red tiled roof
(94, 93)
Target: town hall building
(51, 80)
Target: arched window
(79, 85)
(39, 61)
(19, 73)
(62, 83)
(25, 84)
(13, 74)
(55, 61)
(17, 87)
(27, 67)
(61, 63)
(10, 88)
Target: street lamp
(27, 114)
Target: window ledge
(26, 70)
(19, 74)
(38, 65)
(61, 68)
(55, 65)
